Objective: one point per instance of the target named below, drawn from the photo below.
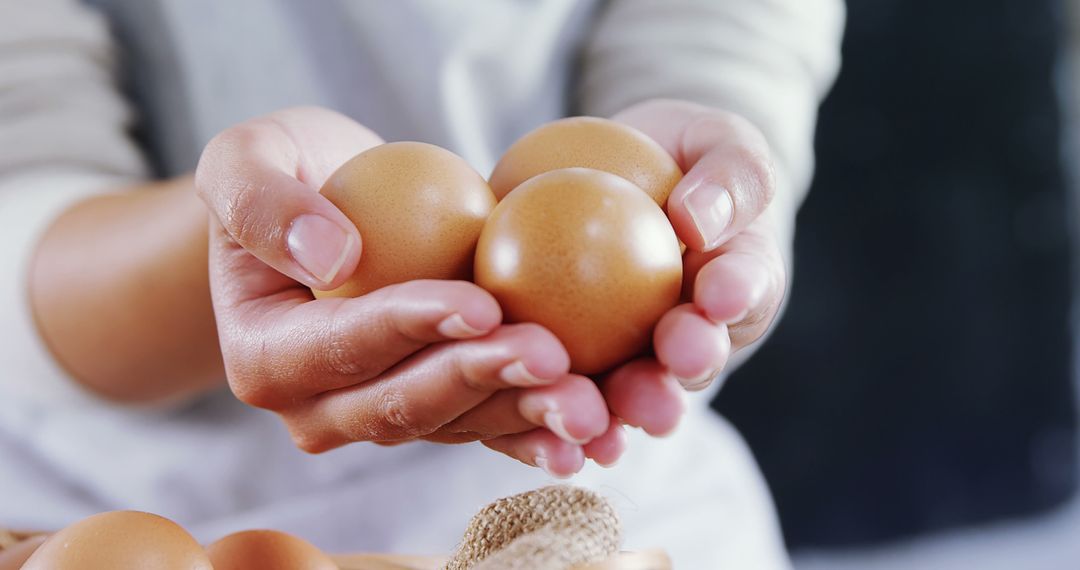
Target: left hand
(734, 271)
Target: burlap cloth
(552, 528)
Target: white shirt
(471, 77)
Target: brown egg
(267, 550)
(419, 209)
(13, 557)
(120, 540)
(586, 254)
(589, 142)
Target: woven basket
(553, 528)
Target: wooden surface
(645, 560)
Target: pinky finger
(609, 447)
(543, 449)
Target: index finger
(729, 177)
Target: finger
(693, 348)
(543, 449)
(572, 408)
(276, 355)
(743, 286)
(261, 178)
(428, 390)
(729, 177)
(644, 394)
(609, 447)
(729, 185)
(496, 416)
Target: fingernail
(533, 405)
(455, 326)
(691, 382)
(711, 209)
(554, 422)
(319, 246)
(517, 374)
(541, 461)
(738, 318)
(696, 384)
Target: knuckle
(745, 145)
(469, 374)
(220, 149)
(311, 442)
(340, 353)
(241, 207)
(255, 392)
(339, 357)
(252, 371)
(224, 179)
(759, 171)
(399, 323)
(399, 418)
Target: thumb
(261, 180)
(729, 184)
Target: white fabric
(470, 76)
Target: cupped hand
(734, 272)
(418, 360)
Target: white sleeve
(63, 135)
(771, 61)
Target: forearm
(119, 292)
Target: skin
(423, 360)
(735, 288)
(96, 287)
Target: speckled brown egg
(120, 539)
(589, 142)
(419, 209)
(586, 254)
(267, 550)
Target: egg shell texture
(119, 540)
(587, 255)
(589, 142)
(419, 209)
(267, 550)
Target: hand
(734, 272)
(418, 360)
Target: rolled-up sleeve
(771, 61)
(63, 137)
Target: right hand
(417, 360)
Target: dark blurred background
(921, 379)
